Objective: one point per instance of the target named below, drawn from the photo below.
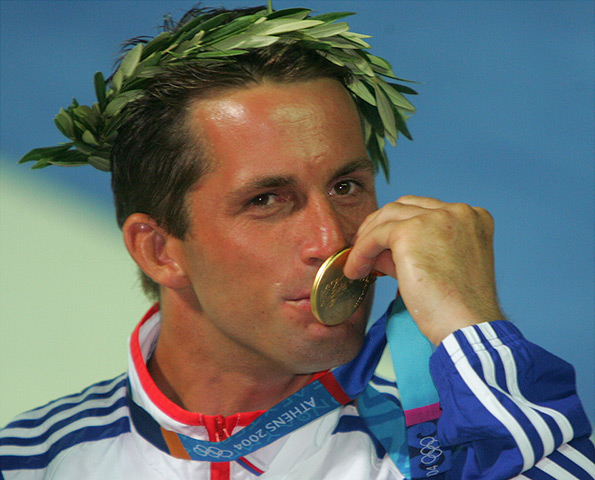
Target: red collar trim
(168, 407)
(174, 411)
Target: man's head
(289, 182)
(156, 158)
(137, 128)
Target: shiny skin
(290, 184)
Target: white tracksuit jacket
(509, 410)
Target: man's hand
(441, 254)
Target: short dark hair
(156, 161)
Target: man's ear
(156, 252)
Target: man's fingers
(371, 252)
(423, 202)
(390, 212)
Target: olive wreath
(92, 129)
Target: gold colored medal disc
(335, 297)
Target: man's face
(290, 183)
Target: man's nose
(323, 231)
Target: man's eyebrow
(260, 184)
(363, 163)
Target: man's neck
(198, 373)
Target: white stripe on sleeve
(551, 468)
(511, 381)
(485, 396)
(578, 458)
(489, 372)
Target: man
(234, 181)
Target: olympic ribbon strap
(411, 352)
(298, 410)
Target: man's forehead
(281, 99)
(308, 121)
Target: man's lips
(299, 298)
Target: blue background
(504, 121)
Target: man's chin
(336, 351)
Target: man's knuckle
(463, 210)
(406, 198)
(484, 214)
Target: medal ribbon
(417, 454)
(314, 400)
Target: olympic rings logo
(430, 450)
(212, 452)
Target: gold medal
(335, 297)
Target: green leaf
(381, 62)
(392, 140)
(282, 25)
(193, 42)
(355, 62)
(131, 61)
(328, 30)
(367, 129)
(333, 58)
(371, 115)
(402, 125)
(41, 164)
(200, 24)
(79, 128)
(385, 109)
(396, 97)
(150, 72)
(402, 88)
(90, 139)
(64, 123)
(357, 35)
(360, 89)
(340, 43)
(331, 17)
(374, 151)
(299, 13)
(234, 27)
(88, 116)
(117, 79)
(84, 148)
(99, 83)
(356, 39)
(321, 47)
(156, 44)
(382, 159)
(83, 111)
(99, 163)
(219, 54)
(151, 61)
(118, 102)
(375, 146)
(71, 158)
(43, 152)
(383, 71)
(245, 40)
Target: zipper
(221, 432)
(217, 428)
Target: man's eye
(263, 200)
(345, 187)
